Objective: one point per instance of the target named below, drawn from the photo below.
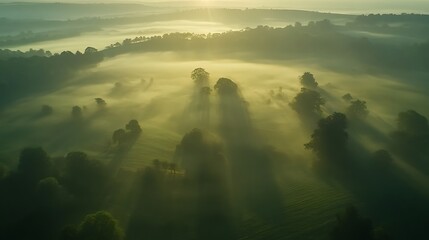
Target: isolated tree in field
(347, 97)
(46, 110)
(357, 109)
(226, 86)
(329, 140)
(308, 102)
(201, 77)
(308, 81)
(133, 126)
(101, 103)
(76, 112)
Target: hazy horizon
(339, 6)
(214, 120)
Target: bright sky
(321, 5)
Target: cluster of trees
(24, 76)
(320, 40)
(123, 137)
(350, 225)
(7, 53)
(44, 194)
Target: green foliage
(226, 86)
(308, 103)
(85, 178)
(76, 112)
(200, 77)
(357, 109)
(307, 80)
(329, 140)
(100, 226)
(133, 126)
(34, 164)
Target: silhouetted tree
(34, 164)
(200, 77)
(84, 177)
(133, 126)
(46, 110)
(97, 226)
(226, 86)
(347, 97)
(329, 140)
(76, 112)
(307, 80)
(357, 109)
(100, 102)
(90, 50)
(308, 103)
(100, 225)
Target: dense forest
(314, 129)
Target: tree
(357, 109)
(76, 112)
(329, 140)
(34, 163)
(226, 86)
(101, 103)
(85, 178)
(308, 102)
(90, 50)
(133, 126)
(100, 226)
(308, 81)
(347, 97)
(46, 110)
(200, 77)
(412, 122)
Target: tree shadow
(252, 174)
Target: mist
(194, 121)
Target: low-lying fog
(156, 89)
